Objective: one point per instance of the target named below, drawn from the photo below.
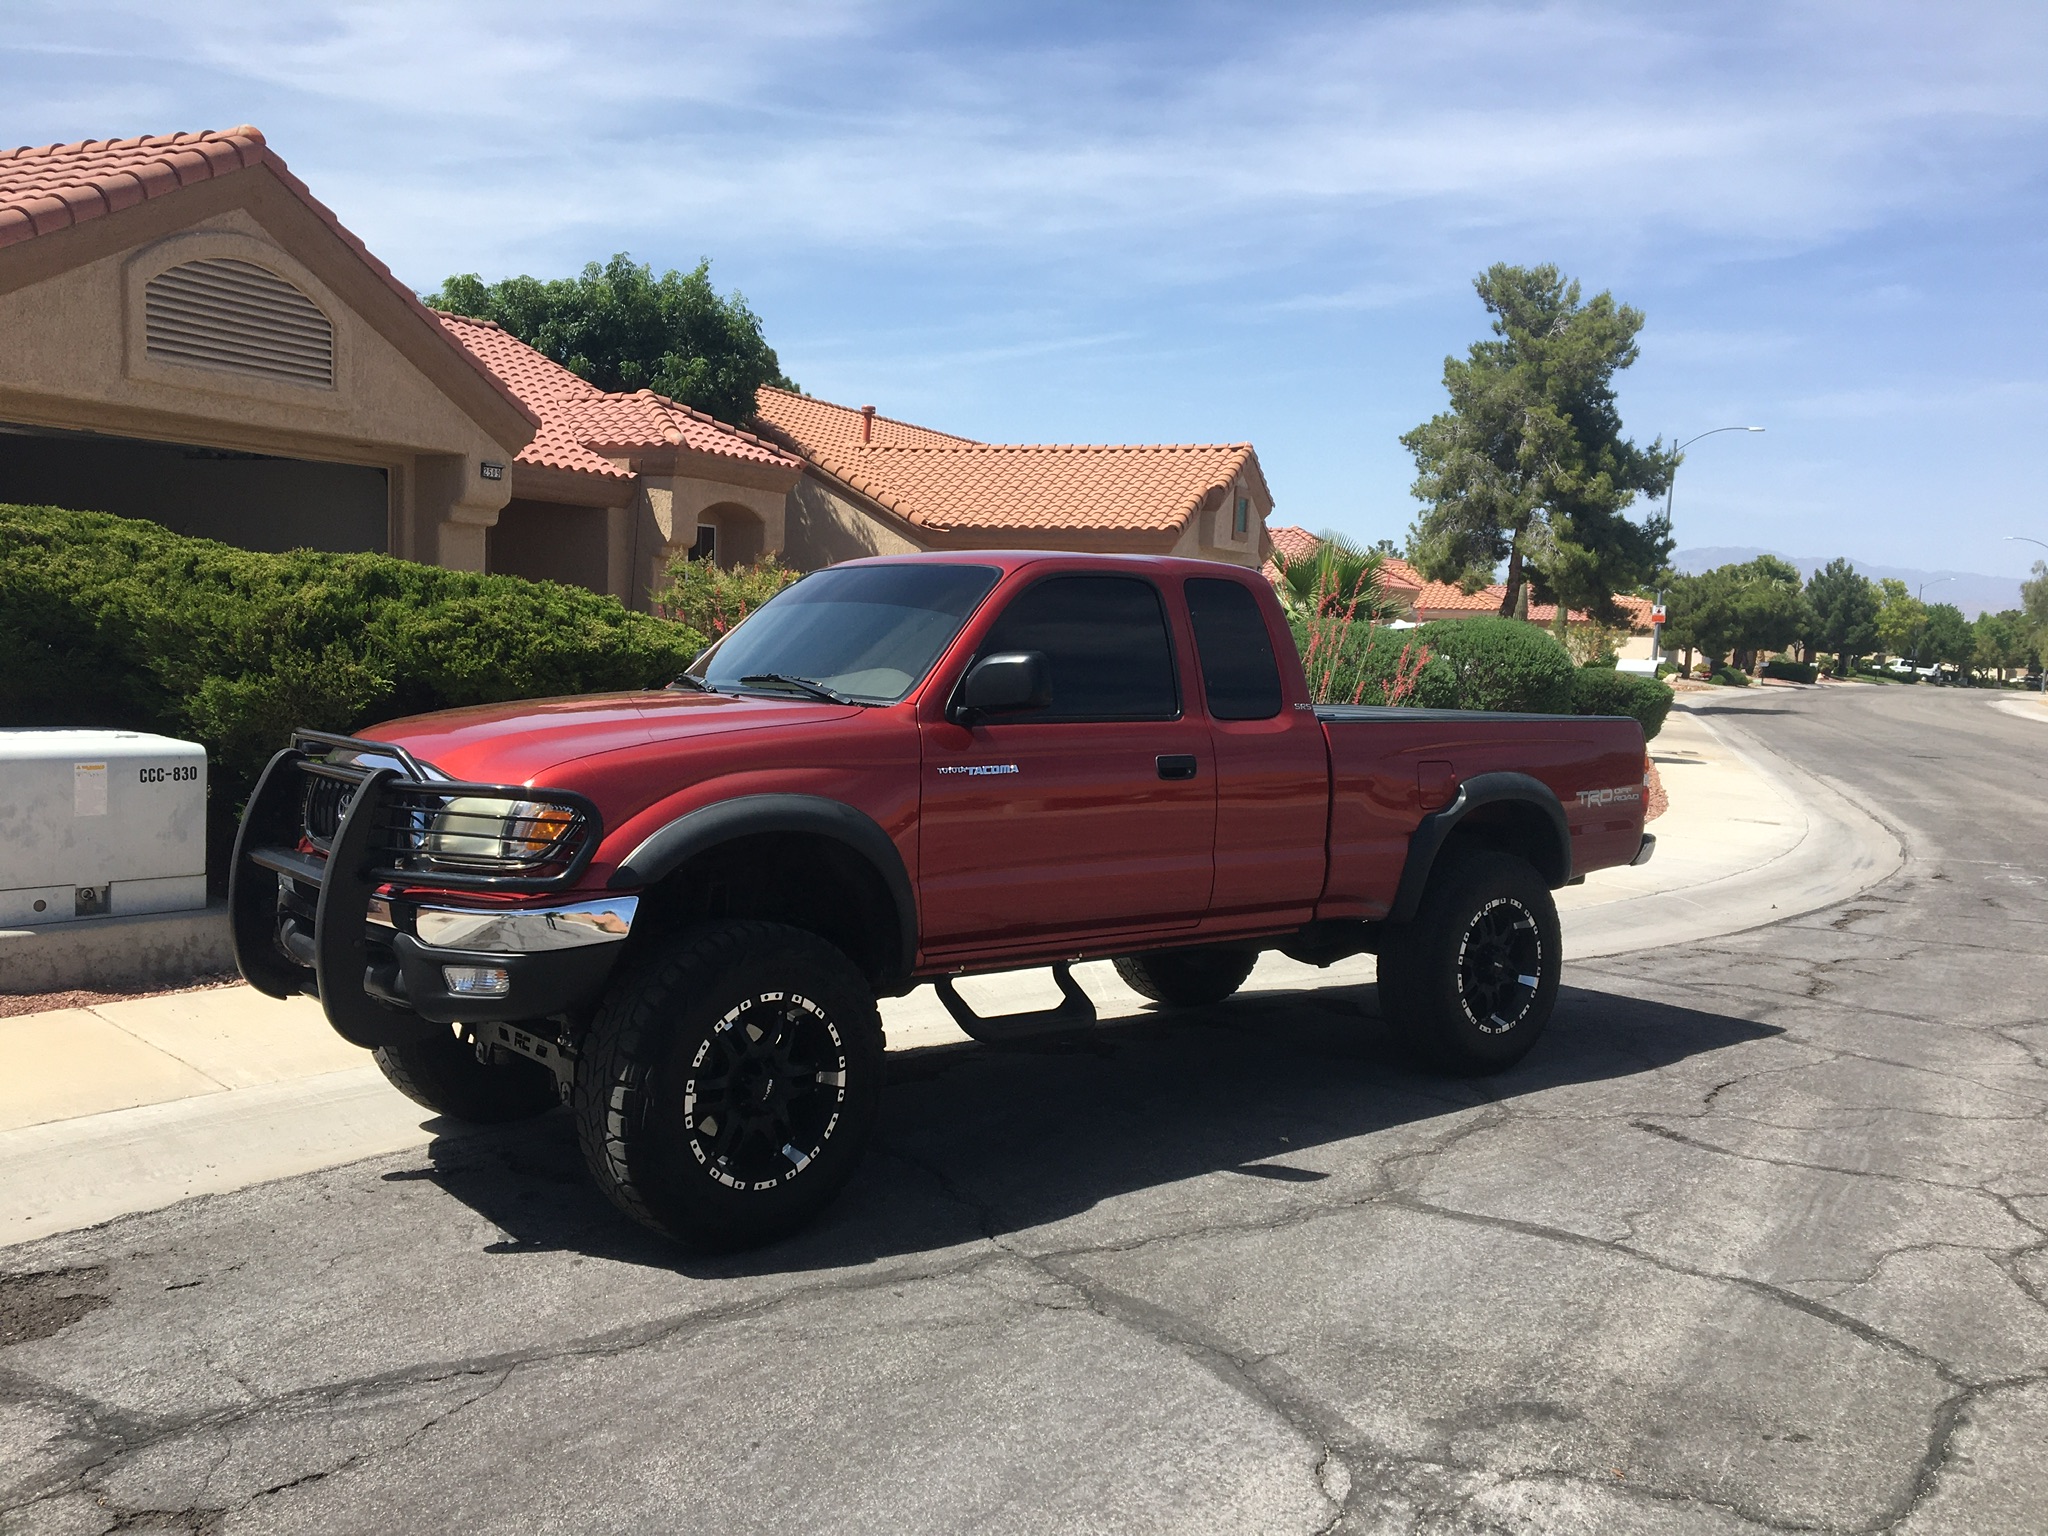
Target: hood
(515, 743)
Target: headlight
(482, 833)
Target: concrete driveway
(1753, 1241)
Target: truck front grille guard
(326, 831)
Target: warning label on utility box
(88, 789)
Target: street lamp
(1657, 631)
(1672, 489)
(1920, 594)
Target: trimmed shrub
(1728, 677)
(1786, 670)
(1358, 664)
(1503, 664)
(118, 622)
(1604, 691)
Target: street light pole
(1671, 490)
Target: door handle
(1177, 765)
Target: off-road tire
(440, 1072)
(1188, 978)
(1469, 983)
(681, 1096)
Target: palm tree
(1336, 578)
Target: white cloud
(1402, 131)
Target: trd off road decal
(1619, 796)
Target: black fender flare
(668, 848)
(1435, 829)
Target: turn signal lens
(532, 830)
(477, 980)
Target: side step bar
(1072, 1014)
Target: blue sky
(1223, 222)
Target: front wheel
(729, 1086)
(1470, 981)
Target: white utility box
(99, 823)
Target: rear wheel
(729, 1086)
(1469, 983)
(1188, 978)
(441, 1072)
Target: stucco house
(188, 335)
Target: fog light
(477, 980)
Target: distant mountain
(1969, 591)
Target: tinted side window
(1104, 639)
(1239, 674)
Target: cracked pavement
(1756, 1240)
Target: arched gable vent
(223, 313)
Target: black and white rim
(1500, 965)
(765, 1091)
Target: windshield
(868, 633)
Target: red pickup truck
(675, 910)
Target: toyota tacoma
(675, 910)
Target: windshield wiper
(694, 684)
(800, 684)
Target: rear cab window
(1240, 674)
(1105, 642)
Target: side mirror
(1008, 680)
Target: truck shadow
(979, 1142)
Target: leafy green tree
(1737, 610)
(1700, 615)
(1845, 606)
(1945, 638)
(623, 328)
(1999, 642)
(1771, 611)
(1900, 618)
(1529, 465)
(2034, 604)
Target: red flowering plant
(1337, 607)
(711, 598)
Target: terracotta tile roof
(808, 425)
(52, 187)
(1446, 597)
(1292, 542)
(1041, 488)
(948, 483)
(577, 419)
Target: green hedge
(1788, 671)
(118, 622)
(1604, 691)
(1503, 664)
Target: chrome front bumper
(520, 930)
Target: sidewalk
(136, 1105)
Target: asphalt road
(1753, 1241)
